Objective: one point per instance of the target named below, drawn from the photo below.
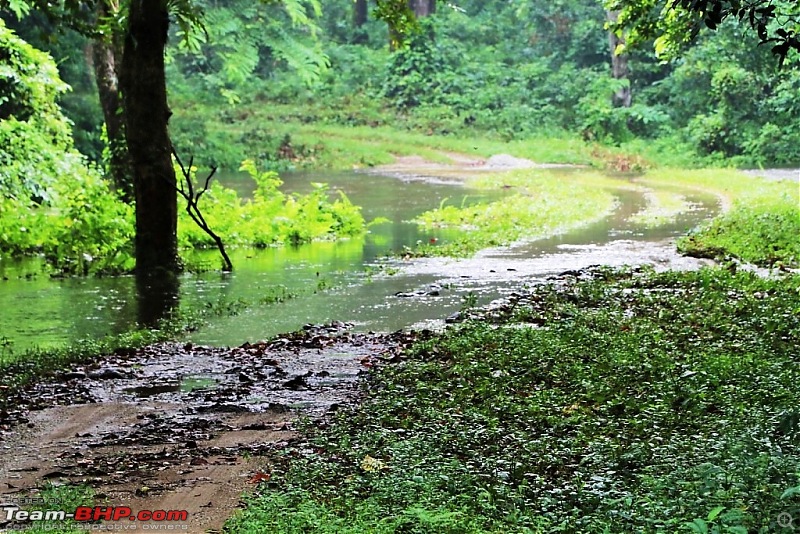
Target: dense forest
(509, 69)
(251, 81)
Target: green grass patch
(764, 231)
(760, 222)
(545, 203)
(623, 404)
(729, 185)
(53, 498)
(663, 207)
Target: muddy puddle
(177, 426)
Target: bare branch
(193, 209)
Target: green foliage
(271, 217)
(764, 231)
(675, 23)
(61, 498)
(52, 203)
(417, 72)
(33, 133)
(242, 39)
(630, 403)
(546, 204)
(84, 229)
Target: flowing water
(343, 280)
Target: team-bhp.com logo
(96, 513)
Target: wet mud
(176, 426)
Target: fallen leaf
(260, 477)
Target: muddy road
(184, 426)
(179, 427)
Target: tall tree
(400, 19)
(359, 13)
(106, 59)
(144, 89)
(619, 61)
(422, 8)
(143, 83)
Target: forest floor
(177, 426)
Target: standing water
(325, 281)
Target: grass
(663, 207)
(729, 185)
(59, 498)
(760, 222)
(764, 231)
(545, 203)
(284, 136)
(623, 404)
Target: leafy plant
(633, 402)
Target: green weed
(763, 231)
(545, 204)
(630, 403)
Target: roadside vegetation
(624, 401)
(633, 402)
(542, 204)
(761, 231)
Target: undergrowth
(764, 231)
(623, 404)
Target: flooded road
(345, 280)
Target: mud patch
(460, 168)
(178, 426)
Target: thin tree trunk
(106, 55)
(619, 64)
(359, 13)
(422, 8)
(147, 115)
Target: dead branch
(192, 208)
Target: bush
(271, 217)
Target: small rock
(453, 318)
(107, 373)
(296, 383)
(74, 375)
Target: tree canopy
(674, 23)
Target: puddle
(144, 392)
(187, 384)
(199, 382)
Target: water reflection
(157, 296)
(325, 280)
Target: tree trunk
(619, 64)
(359, 13)
(422, 8)
(144, 91)
(106, 54)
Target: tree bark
(106, 55)
(147, 115)
(422, 8)
(359, 13)
(619, 64)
